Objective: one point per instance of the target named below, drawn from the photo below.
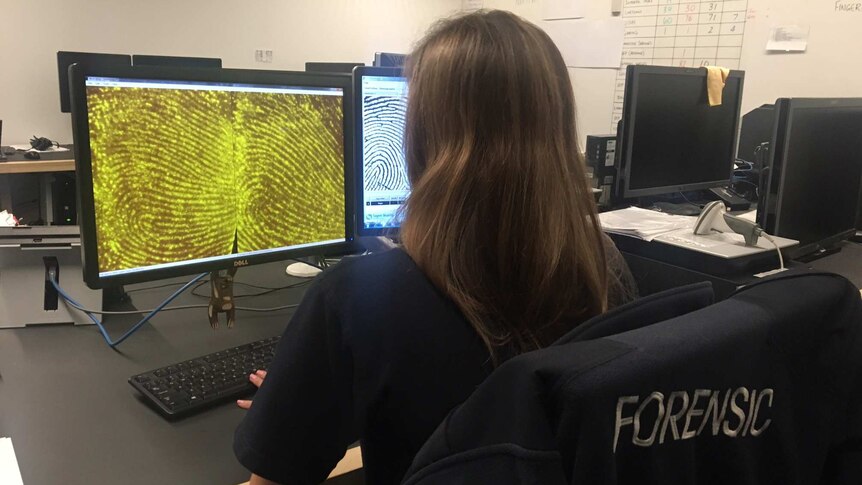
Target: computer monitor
(672, 140)
(87, 59)
(337, 67)
(389, 59)
(185, 171)
(381, 172)
(815, 172)
(173, 61)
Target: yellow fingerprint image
(183, 174)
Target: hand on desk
(256, 379)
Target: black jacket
(764, 387)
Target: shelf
(37, 166)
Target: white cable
(780, 257)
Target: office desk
(74, 419)
(50, 162)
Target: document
(9, 472)
(788, 38)
(563, 9)
(643, 223)
(588, 43)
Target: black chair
(762, 388)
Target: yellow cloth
(715, 79)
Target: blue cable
(138, 325)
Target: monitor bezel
(627, 128)
(773, 210)
(65, 59)
(358, 73)
(83, 167)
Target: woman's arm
(256, 480)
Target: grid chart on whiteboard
(681, 33)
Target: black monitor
(381, 173)
(173, 61)
(815, 172)
(184, 171)
(389, 59)
(87, 59)
(337, 67)
(672, 140)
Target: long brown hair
(500, 217)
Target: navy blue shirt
(374, 353)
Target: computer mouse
(32, 155)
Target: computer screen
(382, 173)
(212, 170)
(816, 171)
(175, 61)
(88, 59)
(673, 140)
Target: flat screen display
(188, 172)
(385, 185)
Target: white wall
(831, 67)
(32, 31)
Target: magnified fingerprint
(180, 175)
(383, 147)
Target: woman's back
(375, 353)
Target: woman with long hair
(502, 254)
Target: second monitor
(672, 140)
(382, 184)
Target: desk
(74, 419)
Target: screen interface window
(384, 172)
(188, 172)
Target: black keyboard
(195, 384)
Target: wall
(830, 68)
(296, 30)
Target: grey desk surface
(74, 419)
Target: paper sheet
(563, 9)
(643, 223)
(788, 38)
(9, 472)
(31, 149)
(588, 43)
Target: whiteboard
(831, 67)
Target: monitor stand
(820, 252)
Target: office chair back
(764, 387)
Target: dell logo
(240, 262)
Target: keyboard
(193, 385)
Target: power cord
(159, 308)
(113, 343)
(777, 249)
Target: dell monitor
(336, 67)
(86, 59)
(172, 61)
(381, 172)
(814, 175)
(672, 140)
(389, 59)
(185, 171)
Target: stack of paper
(9, 472)
(643, 223)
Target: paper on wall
(788, 38)
(588, 43)
(563, 9)
(10, 474)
